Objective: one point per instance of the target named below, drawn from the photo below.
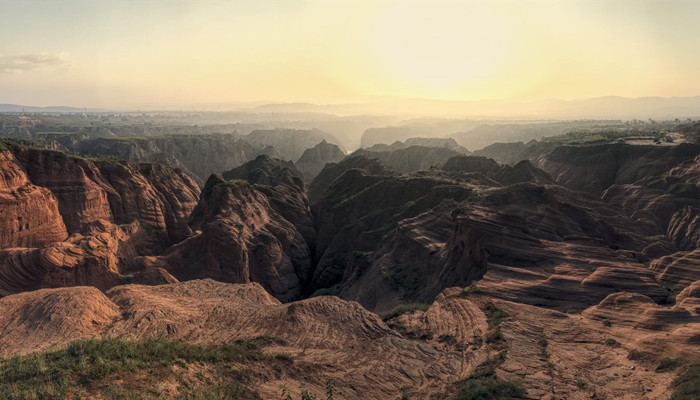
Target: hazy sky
(130, 53)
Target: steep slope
(595, 168)
(332, 171)
(86, 191)
(50, 195)
(240, 238)
(30, 214)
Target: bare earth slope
(328, 337)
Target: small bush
(666, 364)
(610, 342)
(495, 337)
(494, 314)
(472, 289)
(543, 343)
(492, 361)
(403, 309)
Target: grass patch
(403, 309)
(486, 385)
(88, 364)
(686, 386)
(542, 342)
(493, 361)
(494, 314)
(495, 337)
(666, 364)
(472, 289)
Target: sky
(131, 53)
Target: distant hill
(14, 108)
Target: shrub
(403, 309)
(610, 342)
(495, 337)
(487, 386)
(473, 288)
(666, 364)
(494, 314)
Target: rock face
(87, 191)
(369, 226)
(331, 172)
(30, 214)
(50, 195)
(100, 257)
(314, 159)
(595, 168)
(241, 238)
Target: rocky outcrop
(50, 195)
(440, 143)
(240, 238)
(76, 183)
(314, 159)
(30, 215)
(595, 168)
(331, 172)
(677, 270)
(85, 191)
(158, 197)
(410, 159)
(100, 257)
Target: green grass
(686, 386)
(403, 309)
(86, 364)
(486, 385)
(494, 314)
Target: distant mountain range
(594, 108)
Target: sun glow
(439, 49)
